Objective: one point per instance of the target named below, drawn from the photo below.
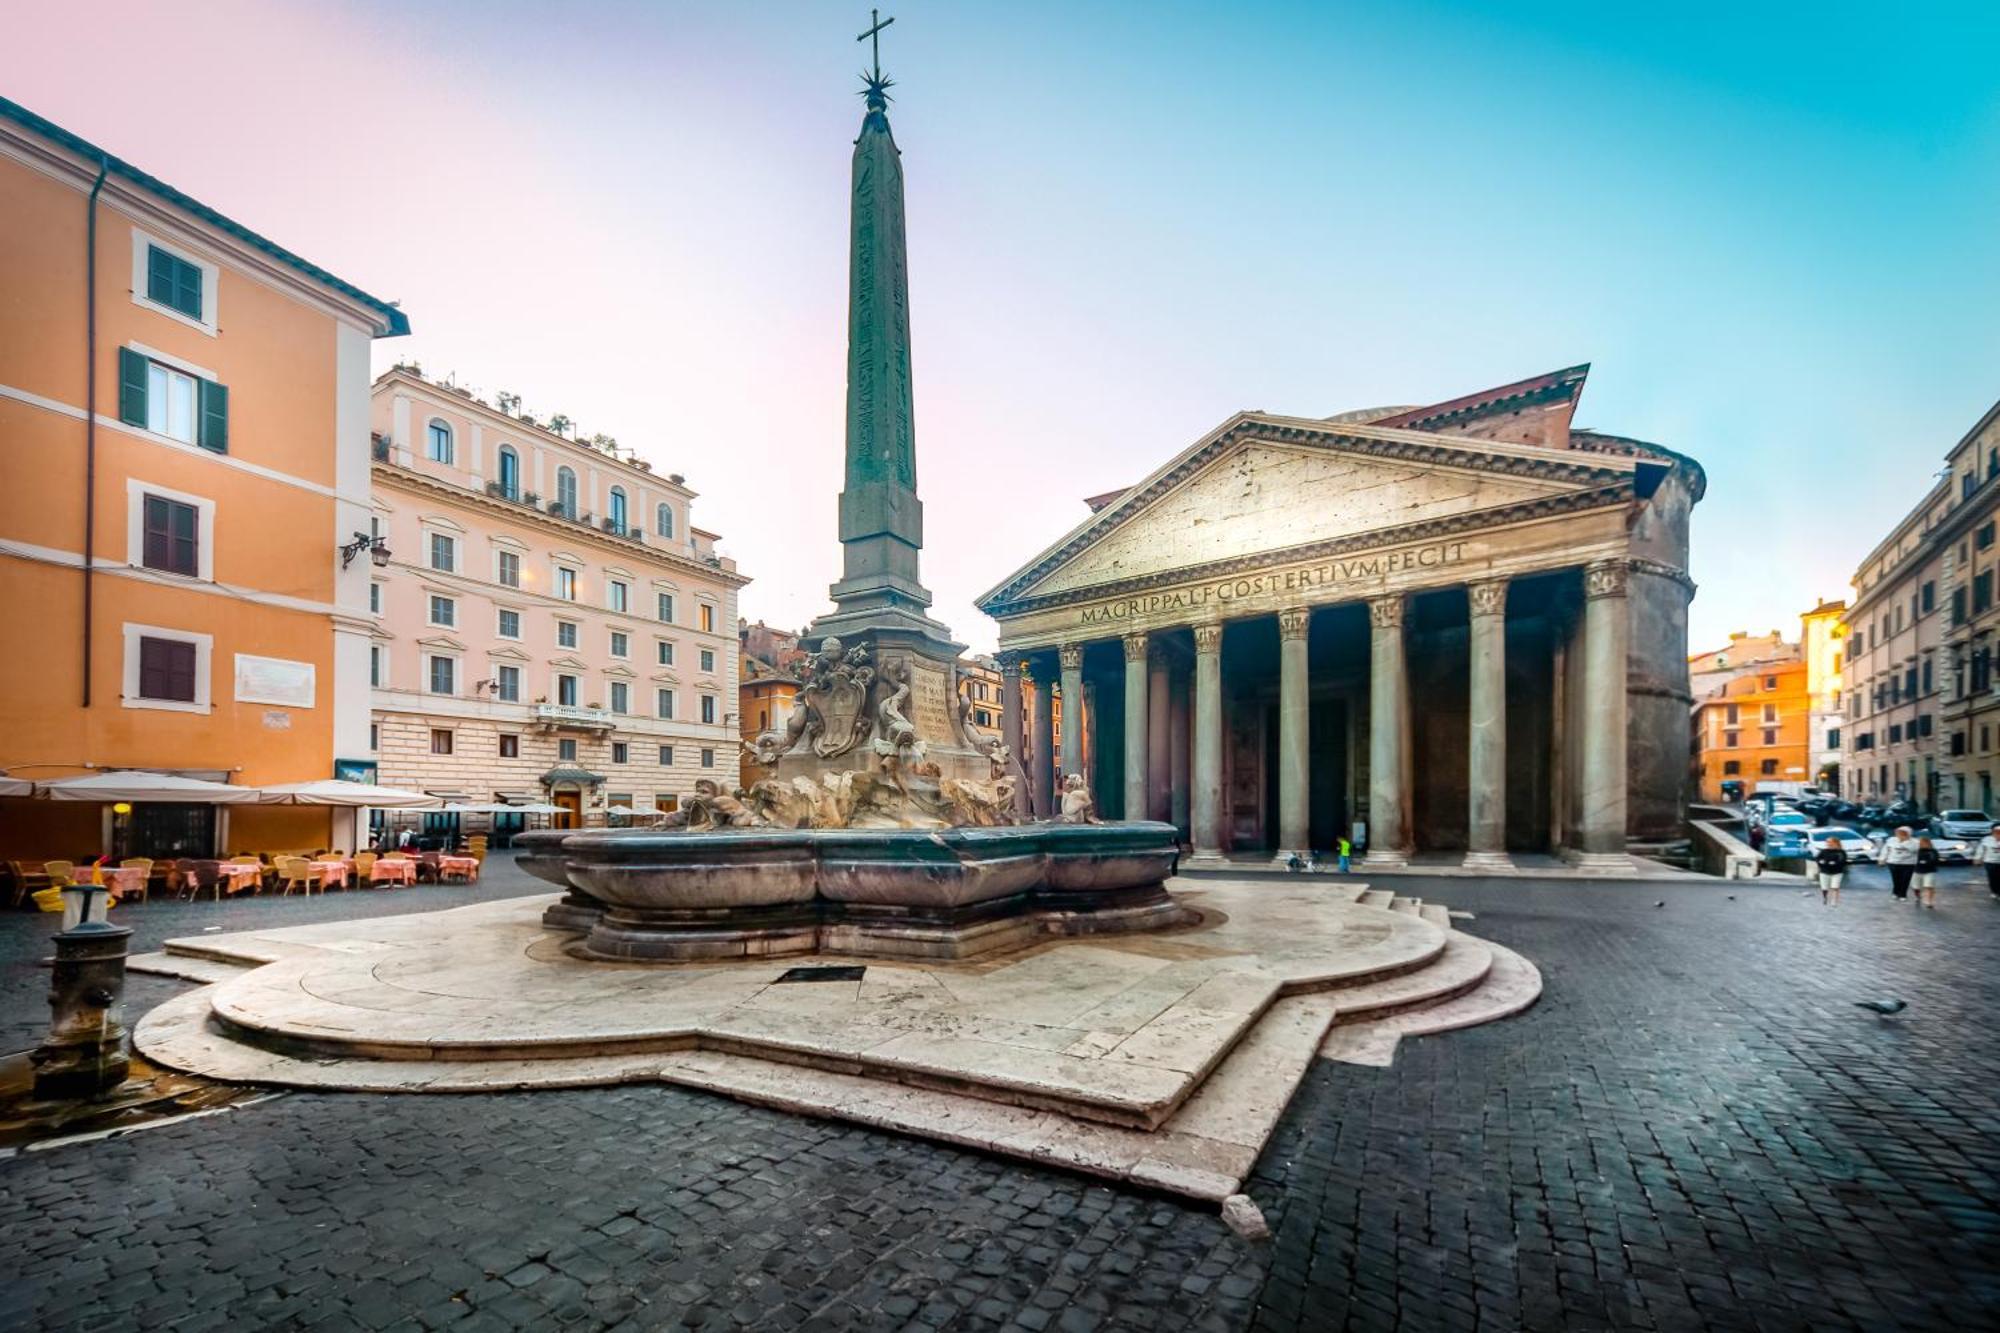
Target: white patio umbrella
(136, 785)
(334, 791)
(15, 786)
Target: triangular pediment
(1257, 494)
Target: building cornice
(417, 483)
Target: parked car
(1971, 825)
(1859, 848)
(1953, 851)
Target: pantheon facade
(1458, 628)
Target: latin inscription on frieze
(1278, 582)
(930, 702)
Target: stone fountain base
(948, 893)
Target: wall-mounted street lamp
(377, 548)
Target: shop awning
(138, 785)
(333, 791)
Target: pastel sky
(1772, 229)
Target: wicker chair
(60, 872)
(144, 865)
(364, 862)
(199, 875)
(295, 872)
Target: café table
(467, 866)
(332, 874)
(238, 876)
(123, 881)
(392, 870)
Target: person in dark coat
(1928, 862)
(1832, 862)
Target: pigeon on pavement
(1883, 1007)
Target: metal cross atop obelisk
(875, 91)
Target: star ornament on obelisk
(880, 595)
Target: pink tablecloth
(332, 874)
(403, 871)
(124, 881)
(459, 865)
(238, 877)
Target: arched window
(510, 472)
(438, 442)
(617, 515)
(566, 492)
(663, 522)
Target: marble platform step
(185, 967)
(1407, 906)
(1510, 985)
(1437, 914)
(1462, 966)
(1376, 898)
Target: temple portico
(1299, 631)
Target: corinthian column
(1041, 770)
(1294, 736)
(1072, 709)
(1606, 635)
(1135, 726)
(1207, 803)
(1388, 736)
(1010, 723)
(1159, 767)
(1486, 751)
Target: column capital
(1606, 578)
(1208, 638)
(1010, 666)
(1292, 622)
(1135, 647)
(1386, 612)
(1488, 597)
(1072, 656)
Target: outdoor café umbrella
(139, 785)
(15, 786)
(334, 791)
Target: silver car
(1859, 850)
(1969, 825)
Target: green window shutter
(187, 289)
(131, 387)
(214, 416)
(159, 275)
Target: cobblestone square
(1694, 1127)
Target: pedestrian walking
(1347, 854)
(1832, 862)
(1987, 853)
(1928, 862)
(1900, 855)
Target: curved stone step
(1437, 914)
(1510, 985)
(1462, 965)
(1407, 906)
(1376, 898)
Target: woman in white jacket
(1987, 853)
(1900, 855)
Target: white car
(1859, 850)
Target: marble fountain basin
(674, 895)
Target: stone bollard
(84, 1054)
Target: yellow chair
(296, 872)
(363, 863)
(144, 865)
(60, 872)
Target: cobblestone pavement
(1693, 1128)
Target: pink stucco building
(550, 624)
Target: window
(507, 684)
(666, 756)
(706, 617)
(1930, 678)
(663, 521)
(1833, 738)
(171, 402)
(708, 758)
(565, 583)
(172, 536)
(1770, 682)
(173, 282)
(708, 708)
(510, 746)
(444, 611)
(1732, 739)
(565, 492)
(617, 517)
(1770, 712)
(566, 690)
(1982, 592)
(1957, 609)
(1858, 647)
(437, 442)
(566, 751)
(375, 599)
(621, 697)
(618, 596)
(510, 472)
(444, 552)
(565, 634)
(378, 666)
(1768, 768)
(708, 659)
(374, 736)
(1984, 537)
(1770, 735)
(440, 741)
(510, 624)
(1730, 768)
(1895, 732)
(664, 703)
(444, 676)
(664, 651)
(667, 607)
(167, 670)
(621, 644)
(1927, 599)
(620, 752)
(1733, 710)
(509, 569)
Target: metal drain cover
(822, 974)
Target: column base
(1385, 858)
(1498, 863)
(1602, 863)
(1205, 858)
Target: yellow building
(1823, 644)
(185, 406)
(1753, 730)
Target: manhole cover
(822, 974)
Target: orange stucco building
(1755, 728)
(185, 408)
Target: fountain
(886, 825)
